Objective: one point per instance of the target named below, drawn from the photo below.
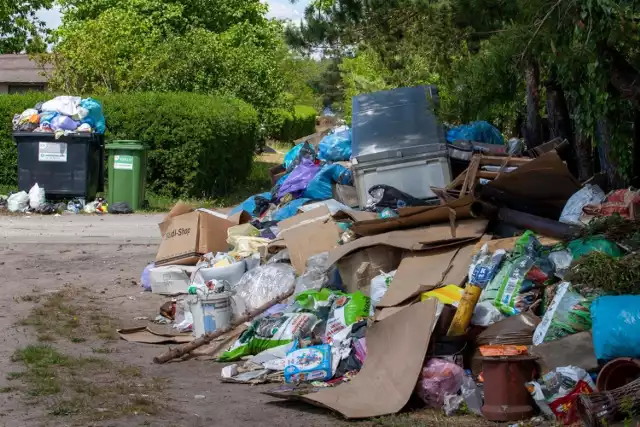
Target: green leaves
(20, 29)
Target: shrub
(199, 145)
(283, 125)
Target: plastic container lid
(126, 145)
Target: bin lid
(126, 145)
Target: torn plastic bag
(90, 111)
(587, 195)
(437, 379)
(321, 186)
(316, 276)
(335, 147)
(47, 208)
(385, 196)
(299, 178)
(265, 283)
(36, 196)
(120, 208)
(65, 105)
(379, 287)
(18, 202)
(255, 205)
(479, 131)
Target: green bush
(285, 126)
(199, 145)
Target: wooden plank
(495, 160)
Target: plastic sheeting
(289, 210)
(253, 205)
(479, 131)
(262, 284)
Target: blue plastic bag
(616, 326)
(46, 117)
(292, 154)
(299, 178)
(250, 205)
(289, 210)
(320, 187)
(335, 147)
(95, 118)
(480, 131)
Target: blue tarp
(480, 131)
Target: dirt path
(97, 263)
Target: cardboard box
(188, 234)
(358, 269)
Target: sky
(281, 9)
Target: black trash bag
(47, 209)
(385, 196)
(120, 208)
(262, 204)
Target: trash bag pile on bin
(62, 115)
(505, 307)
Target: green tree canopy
(20, 28)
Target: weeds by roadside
(87, 388)
(60, 315)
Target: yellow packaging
(464, 313)
(450, 294)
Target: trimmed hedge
(200, 145)
(285, 126)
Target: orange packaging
(503, 350)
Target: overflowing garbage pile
(35, 202)
(62, 115)
(515, 296)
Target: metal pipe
(544, 226)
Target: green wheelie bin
(127, 173)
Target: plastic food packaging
(482, 269)
(450, 294)
(568, 314)
(587, 195)
(308, 364)
(485, 314)
(437, 379)
(269, 332)
(379, 287)
(36, 196)
(615, 326)
(18, 202)
(346, 309)
(561, 260)
(265, 283)
(557, 391)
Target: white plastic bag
(379, 287)
(589, 194)
(265, 283)
(18, 202)
(36, 196)
(66, 105)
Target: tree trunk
(533, 135)
(609, 163)
(624, 77)
(559, 120)
(584, 156)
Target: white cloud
(280, 9)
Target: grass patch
(258, 181)
(60, 315)
(86, 388)
(427, 418)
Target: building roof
(19, 68)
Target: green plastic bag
(582, 247)
(270, 332)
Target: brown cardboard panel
(310, 239)
(396, 349)
(430, 237)
(357, 269)
(423, 271)
(416, 217)
(318, 214)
